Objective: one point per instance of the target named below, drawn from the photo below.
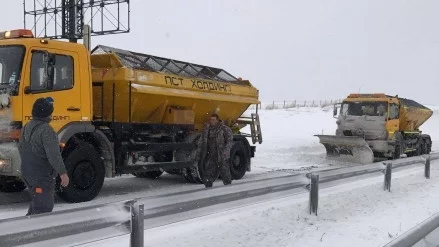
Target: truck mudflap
(347, 148)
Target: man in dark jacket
(217, 141)
(41, 160)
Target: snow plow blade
(347, 148)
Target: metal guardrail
(68, 226)
(342, 173)
(416, 234)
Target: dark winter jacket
(223, 141)
(42, 160)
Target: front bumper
(9, 160)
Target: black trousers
(42, 197)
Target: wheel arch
(74, 133)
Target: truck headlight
(5, 165)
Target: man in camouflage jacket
(217, 141)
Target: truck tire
(86, 172)
(398, 149)
(239, 158)
(150, 174)
(187, 175)
(12, 187)
(428, 147)
(423, 146)
(192, 174)
(397, 152)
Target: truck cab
(32, 68)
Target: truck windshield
(364, 108)
(11, 60)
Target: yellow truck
(374, 126)
(118, 112)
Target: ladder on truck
(255, 127)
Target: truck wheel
(428, 147)
(424, 147)
(397, 152)
(187, 174)
(12, 187)
(86, 172)
(239, 159)
(192, 175)
(151, 174)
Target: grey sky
(290, 49)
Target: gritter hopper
(130, 87)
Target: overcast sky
(290, 49)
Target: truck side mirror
(335, 111)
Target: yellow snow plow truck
(118, 112)
(372, 126)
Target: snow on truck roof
(151, 63)
(406, 102)
(412, 103)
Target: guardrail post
(137, 232)
(314, 194)
(427, 167)
(388, 176)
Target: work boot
(208, 185)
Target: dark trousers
(42, 197)
(211, 169)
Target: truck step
(145, 166)
(156, 147)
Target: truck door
(53, 74)
(393, 121)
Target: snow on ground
(358, 213)
(288, 141)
